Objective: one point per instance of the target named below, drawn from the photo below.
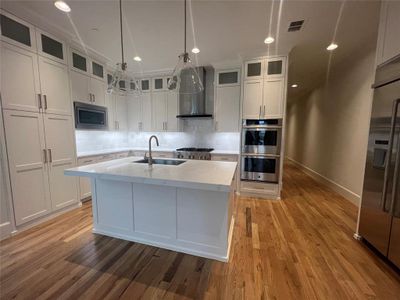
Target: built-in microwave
(262, 136)
(257, 167)
(89, 116)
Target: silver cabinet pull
(264, 111)
(45, 101)
(50, 156)
(94, 97)
(40, 101)
(259, 114)
(166, 126)
(45, 156)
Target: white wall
(327, 130)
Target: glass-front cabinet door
(254, 69)
(275, 67)
(97, 70)
(228, 78)
(145, 85)
(51, 47)
(79, 62)
(16, 31)
(159, 84)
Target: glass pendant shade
(122, 82)
(185, 78)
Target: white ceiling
(224, 30)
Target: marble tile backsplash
(172, 140)
(92, 140)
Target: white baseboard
(346, 193)
(5, 230)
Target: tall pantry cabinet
(37, 112)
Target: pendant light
(185, 78)
(122, 80)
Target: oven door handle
(261, 155)
(261, 127)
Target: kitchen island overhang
(186, 208)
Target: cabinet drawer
(218, 157)
(253, 186)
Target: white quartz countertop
(196, 174)
(82, 154)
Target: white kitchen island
(186, 207)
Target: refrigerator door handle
(389, 156)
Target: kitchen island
(185, 207)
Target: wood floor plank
(297, 248)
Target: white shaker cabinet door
(61, 155)
(110, 104)
(227, 108)
(121, 113)
(159, 111)
(80, 87)
(54, 83)
(273, 98)
(28, 170)
(134, 113)
(252, 99)
(19, 79)
(172, 111)
(98, 90)
(146, 111)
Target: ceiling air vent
(295, 25)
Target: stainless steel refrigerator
(380, 206)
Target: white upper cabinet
(254, 69)
(159, 110)
(134, 113)
(252, 99)
(121, 113)
(27, 162)
(17, 32)
(54, 83)
(273, 105)
(275, 67)
(110, 104)
(51, 47)
(146, 124)
(97, 89)
(227, 101)
(389, 31)
(264, 97)
(80, 87)
(227, 106)
(60, 155)
(171, 123)
(19, 69)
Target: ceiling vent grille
(295, 25)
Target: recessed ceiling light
(331, 47)
(294, 85)
(269, 40)
(61, 5)
(137, 58)
(196, 50)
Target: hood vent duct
(197, 105)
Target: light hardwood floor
(299, 248)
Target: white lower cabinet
(84, 182)
(28, 168)
(60, 156)
(40, 147)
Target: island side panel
(186, 220)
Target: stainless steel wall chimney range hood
(199, 105)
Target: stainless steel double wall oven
(261, 147)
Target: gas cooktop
(193, 153)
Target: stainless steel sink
(156, 161)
